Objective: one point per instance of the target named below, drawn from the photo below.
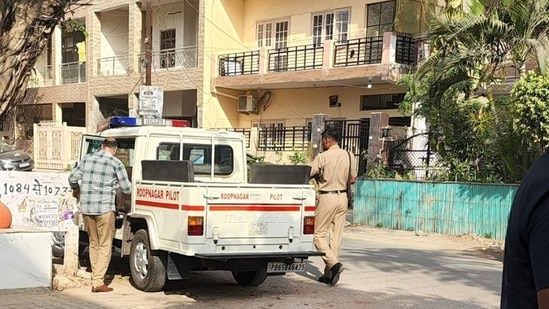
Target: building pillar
(376, 151)
(389, 48)
(318, 126)
(135, 37)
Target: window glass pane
(260, 35)
(329, 26)
(372, 32)
(281, 34)
(167, 39)
(268, 34)
(373, 14)
(387, 13)
(317, 29)
(342, 22)
(383, 101)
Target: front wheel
(250, 278)
(147, 267)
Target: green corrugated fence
(445, 208)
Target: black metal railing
(246, 131)
(358, 51)
(245, 63)
(296, 58)
(405, 51)
(354, 138)
(404, 160)
(284, 138)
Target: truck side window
(124, 153)
(201, 156)
(126, 150)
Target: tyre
(250, 278)
(148, 268)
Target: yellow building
(235, 64)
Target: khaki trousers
(100, 232)
(329, 221)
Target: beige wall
(299, 13)
(296, 106)
(223, 27)
(235, 31)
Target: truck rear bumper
(259, 256)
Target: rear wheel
(147, 267)
(251, 278)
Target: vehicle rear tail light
(195, 226)
(309, 225)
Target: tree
(474, 44)
(531, 110)
(25, 29)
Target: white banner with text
(38, 199)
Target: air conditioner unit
(246, 103)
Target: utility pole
(148, 41)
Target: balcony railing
(390, 48)
(41, 77)
(246, 131)
(358, 51)
(239, 63)
(405, 51)
(284, 138)
(174, 58)
(295, 58)
(73, 72)
(112, 66)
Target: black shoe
(335, 271)
(324, 279)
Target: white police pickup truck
(193, 208)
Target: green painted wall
(445, 208)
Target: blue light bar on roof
(117, 122)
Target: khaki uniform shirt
(333, 166)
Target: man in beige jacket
(331, 171)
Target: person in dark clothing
(525, 281)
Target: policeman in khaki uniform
(331, 171)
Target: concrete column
(318, 126)
(263, 61)
(135, 37)
(375, 145)
(56, 52)
(93, 25)
(389, 48)
(328, 56)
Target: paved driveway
(384, 269)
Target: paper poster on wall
(38, 200)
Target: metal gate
(354, 138)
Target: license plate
(24, 164)
(283, 267)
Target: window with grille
(331, 25)
(380, 18)
(273, 34)
(264, 35)
(167, 48)
(380, 101)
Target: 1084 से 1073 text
(37, 188)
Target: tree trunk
(25, 28)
